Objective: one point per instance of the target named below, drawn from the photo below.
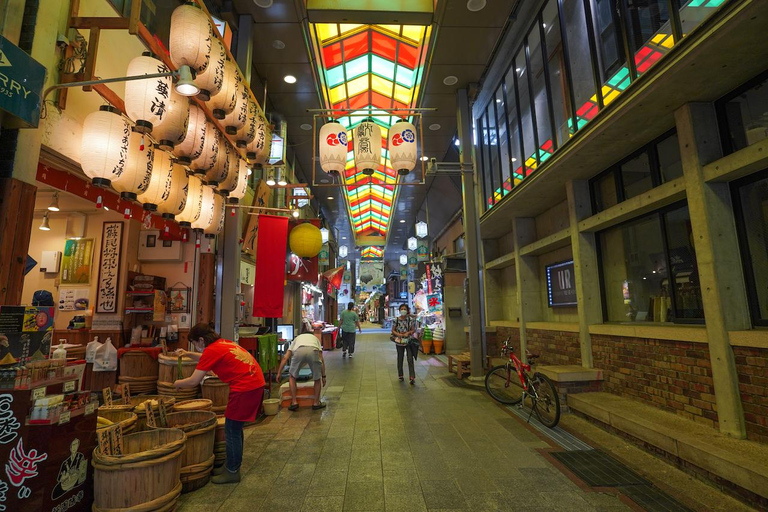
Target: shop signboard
(323, 256)
(21, 84)
(247, 272)
(413, 262)
(25, 333)
(371, 275)
(422, 251)
(76, 261)
(561, 284)
(302, 269)
(434, 303)
(403, 273)
(108, 292)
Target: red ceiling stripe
(356, 45)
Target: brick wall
(555, 347)
(752, 367)
(673, 375)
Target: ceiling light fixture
(306, 126)
(434, 127)
(456, 142)
(424, 158)
(185, 85)
(278, 44)
(514, 159)
(271, 180)
(289, 79)
(450, 80)
(402, 221)
(54, 206)
(281, 179)
(295, 213)
(44, 226)
(476, 5)
(330, 198)
(264, 4)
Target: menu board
(25, 333)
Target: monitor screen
(561, 284)
(285, 331)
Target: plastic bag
(105, 358)
(90, 350)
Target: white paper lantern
(228, 184)
(159, 189)
(421, 229)
(104, 146)
(367, 146)
(413, 243)
(236, 119)
(242, 183)
(208, 156)
(255, 146)
(174, 127)
(324, 235)
(146, 101)
(343, 251)
(191, 147)
(247, 133)
(194, 204)
(177, 198)
(211, 80)
(262, 156)
(403, 259)
(402, 147)
(137, 171)
(333, 147)
(206, 211)
(190, 38)
(225, 100)
(220, 170)
(217, 222)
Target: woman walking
(403, 329)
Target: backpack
(42, 298)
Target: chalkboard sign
(561, 284)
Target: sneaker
(227, 477)
(351, 356)
(344, 353)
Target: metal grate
(653, 499)
(599, 469)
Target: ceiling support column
(472, 237)
(228, 273)
(528, 281)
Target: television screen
(561, 284)
(285, 331)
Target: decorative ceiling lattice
(372, 253)
(370, 71)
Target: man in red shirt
(237, 367)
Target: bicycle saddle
(531, 357)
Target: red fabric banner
(270, 266)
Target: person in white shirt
(305, 350)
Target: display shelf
(138, 293)
(139, 310)
(46, 383)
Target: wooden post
(17, 207)
(205, 302)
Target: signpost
(21, 85)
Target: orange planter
(438, 346)
(426, 346)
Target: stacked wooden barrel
(170, 370)
(139, 369)
(198, 404)
(140, 404)
(125, 418)
(217, 392)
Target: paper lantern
(146, 101)
(177, 198)
(217, 222)
(343, 251)
(403, 259)
(211, 80)
(104, 146)
(255, 146)
(421, 229)
(229, 183)
(206, 210)
(305, 240)
(207, 159)
(137, 171)
(333, 147)
(262, 156)
(236, 119)
(402, 147)
(367, 146)
(174, 127)
(190, 38)
(220, 170)
(413, 243)
(247, 133)
(224, 101)
(194, 203)
(191, 146)
(159, 189)
(324, 234)
(242, 183)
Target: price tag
(65, 417)
(69, 386)
(38, 393)
(107, 396)
(89, 408)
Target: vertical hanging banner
(109, 269)
(422, 251)
(413, 263)
(403, 273)
(323, 256)
(270, 266)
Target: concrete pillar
(527, 277)
(717, 256)
(585, 266)
(228, 272)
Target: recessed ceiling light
(278, 44)
(498, 100)
(330, 198)
(424, 158)
(434, 127)
(306, 126)
(517, 69)
(476, 5)
(450, 80)
(457, 142)
(402, 221)
(343, 238)
(325, 180)
(263, 3)
(289, 79)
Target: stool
(461, 362)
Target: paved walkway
(385, 445)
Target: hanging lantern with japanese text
(402, 147)
(333, 147)
(367, 146)
(146, 101)
(220, 170)
(137, 171)
(174, 128)
(207, 159)
(217, 222)
(206, 210)
(104, 146)
(223, 102)
(159, 188)
(236, 119)
(242, 183)
(211, 80)
(177, 198)
(190, 38)
(191, 146)
(247, 133)
(255, 146)
(194, 204)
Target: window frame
(722, 118)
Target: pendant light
(247, 133)
(191, 146)
(146, 101)
(367, 146)
(324, 234)
(191, 211)
(217, 222)
(220, 170)
(211, 80)
(421, 229)
(104, 145)
(413, 243)
(206, 211)
(333, 147)
(402, 147)
(281, 181)
(236, 119)
(343, 251)
(137, 170)
(262, 156)
(159, 188)
(271, 180)
(174, 128)
(242, 183)
(403, 259)
(223, 102)
(54, 206)
(254, 147)
(207, 158)
(44, 226)
(177, 198)
(228, 184)
(190, 38)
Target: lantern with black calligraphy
(191, 211)
(220, 170)
(217, 222)
(247, 133)
(402, 147)
(255, 146)
(104, 145)
(177, 198)
(206, 211)
(367, 146)
(332, 143)
(174, 128)
(242, 183)
(190, 37)
(262, 156)
(236, 119)
(207, 159)
(146, 101)
(225, 100)
(159, 189)
(211, 80)
(137, 171)
(229, 183)
(191, 146)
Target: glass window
(636, 175)
(604, 191)
(682, 263)
(582, 79)
(529, 144)
(610, 54)
(747, 117)
(493, 148)
(557, 79)
(484, 163)
(501, 128)
(693, 12)
(649, 31)
(515, 152)
(670, 163)
(543, 125)
(752, 211)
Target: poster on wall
(109, 268)
(371, 275)
(76, 261)
(25, 333)
(73, 299)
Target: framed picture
(178, 300)
(151, 240)
(167, 243)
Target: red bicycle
(509, 390)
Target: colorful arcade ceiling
(373, 253)
(370, 70)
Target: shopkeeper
(237, 367)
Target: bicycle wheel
(496, 385)
(547, 404)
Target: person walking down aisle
(403, 329)
(305, 350)
(235, 366)
(349, 320)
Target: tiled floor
(385, 445)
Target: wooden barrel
(169, 368)
(220, 443)
(167, 389)
(139, 407)
(197, 461)
(199, 404)
(217, 392)
(125, 419)
(146, 477)
(138, 369)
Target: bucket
(167, 389)
(126, 419)
(197, 460)
(271, 406)
(138, 369)
(168, 371)
(146, 477)
(199, 404)
(217, 392)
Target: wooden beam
(93, 52)
(106, 23)
(135, 17)
(111, 96)
(17, 207)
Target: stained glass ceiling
(372, 253)
(370, 71)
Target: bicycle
(500, 384)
